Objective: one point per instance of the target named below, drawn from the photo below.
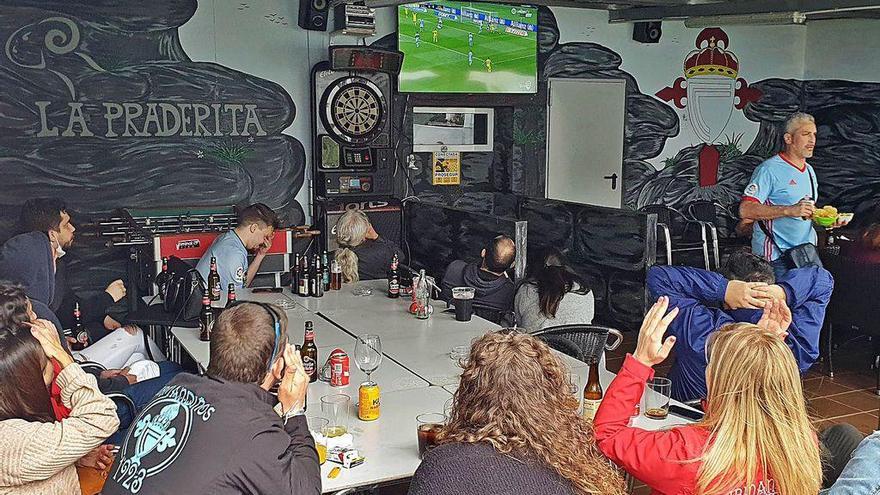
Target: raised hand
(766, 292)
(741, 294)
(651, 348)
(776, 318)
(46, 334)
(294, 382)
(116, 289)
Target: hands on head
(651, 348)
(294, 380)
(47, 335)
(751, 295)
(776, 318)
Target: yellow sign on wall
(446, 168)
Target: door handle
(613, 179)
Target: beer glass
(318, 425)
(657, 398)
(335, 408)
(368, 353)
(428, 425)
(463, 300)
(574, 387)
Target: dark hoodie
(204, 435)
(491, 290)
(27, 260)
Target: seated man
(493, 287)
(707, 301)
(254, 233)
(220, 433)
(49, 216)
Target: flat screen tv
(467, 47)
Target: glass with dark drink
(428, 424)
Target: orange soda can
(368, 401)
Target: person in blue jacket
(707, 301)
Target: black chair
(721, 221)
(503, 317)
(582, 341)
(852, 304)
(679, 233)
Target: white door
(585, 119)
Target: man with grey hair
(781, 195)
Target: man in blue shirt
(782, 193)
(708, 301)
(255, 230)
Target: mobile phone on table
(685, 413)
(257, 290)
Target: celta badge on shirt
(239, 275)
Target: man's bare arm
(751, 210)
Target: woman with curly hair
(515, 429)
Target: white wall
(762, 51)
(847, 49)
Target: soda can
(338, 368)
(368, 401)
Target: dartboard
(354, 109)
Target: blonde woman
(515, 429)
(755, 437)
(362, 254)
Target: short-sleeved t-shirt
(232, 260)
(779, 182)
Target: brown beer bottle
(206, 318)
(310, 353)
(230, 296)
(79, 331)
(592, 392)
(214, 281)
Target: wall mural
(847, 157)
(103, 107)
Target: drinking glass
(428, 425)
(657, 398)
(335, 408)
(368, 353)
(318, 425)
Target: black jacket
(374, 258)
(491, 290)
(202, 435)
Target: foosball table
(151, 234)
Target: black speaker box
(647, 32)
(313, 14)
(384, 215)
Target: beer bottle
(325, 266)
(162, 279)
(79, 331)
(206, 318)
(304, 276)
(393, 279)
(214, 281)
(313, 276)
(592, 392)
(310, 353)
(318, 278)
(294, 275)
(230, 296)
(335, 275)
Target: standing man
(470, 40)
(781, 195)
(254, 233)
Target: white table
(344, 299)
(390, 443)
(390, 376)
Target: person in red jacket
(756, 436)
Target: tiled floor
(849, 397)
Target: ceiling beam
(743, 7)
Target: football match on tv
(467, 47)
